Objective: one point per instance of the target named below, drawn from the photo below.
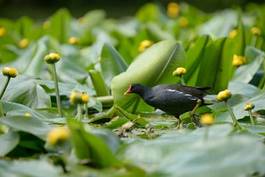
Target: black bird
(173, 99)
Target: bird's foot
(196, 120)
(179, 124)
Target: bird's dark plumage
(173, 99)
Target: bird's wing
(198, 92)
(168, 96)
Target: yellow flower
(223, 95)
(27, 114)
(255, 31)
(81, 20)
(2, 31)
(52, 58)
(183, 22)
(46, 24)
(9, 72)
(249, 106)
(233, 33)
(76, 97)
(238, 60)
(73, 40)
(58, 135)
(180, 71)
(173, 9)
(85, 98)
(207, 119)
(23, 43)
(144, 45)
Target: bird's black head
(136, 88)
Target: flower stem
(254, 41)
(252, 119)
(5, 86)
(182, 80)
(1, 110)
(79, 112)
(86, 112)
(206, 133)
(235, 122)
(58, 100)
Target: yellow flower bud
(76, 97)
(73, 40)
(233, 33)
(144, 45)
(180, 71)
(52, 58)
(9, 72)
(23, 43)
(2, 31)
(81, 20)
(238, 60)
(173, 9)
(85, 98)
(255, 31)
(27, 114)
(207, 119)
(183, 22)
(46, 24)
(58, 135)
(249, 106)
(223, 95)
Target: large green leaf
(8, 142)
(24, 119)
(111, 63)
(36, 64)
(59, 25)
(154, 66)
(189, 154)
(210, 63)
(232, 46)
(27, 91)
(194, 59)
(29, 168)
(220, 24)
(27, 124)
(245, 73)
(90, 147)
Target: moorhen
(173, 99)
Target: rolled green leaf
(152, 67)
(98, 83)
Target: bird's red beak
(128, 91)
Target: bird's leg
(179, 124)
(192, 113)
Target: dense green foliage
(117, 135)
